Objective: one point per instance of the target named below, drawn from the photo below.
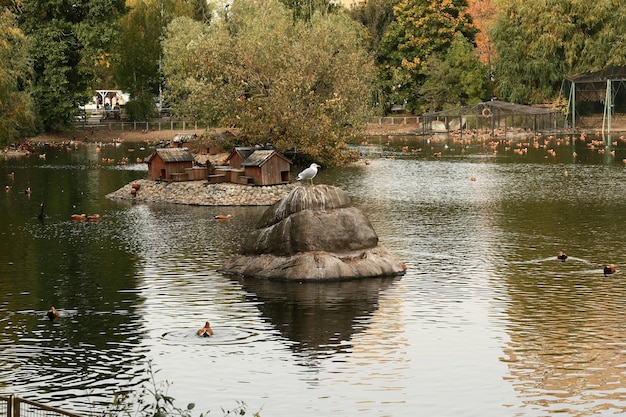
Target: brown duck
(206, 331)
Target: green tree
(68, 40)
(375, 15)
(540, 42)
(138, 51)
(303, 10)
(138, 57)
(456, 78)
(302, 86)
(421, 29)
(16, 118)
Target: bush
(141, 109)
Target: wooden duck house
(170, 164)
(253, 166)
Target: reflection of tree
(318, 316)
(566, 344)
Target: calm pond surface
(486, 322)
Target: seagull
(309, 173)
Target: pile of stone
(313, 233)
(200, 193)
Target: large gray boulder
(313, 233)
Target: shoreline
(201, 193)
(372, 129)
(152, 137)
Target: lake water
(486, 322)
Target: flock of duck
(517, 141)
(608, 269)
(75, 217)
(205, 331)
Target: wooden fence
(396, 120)
(155, 124)
(13, 406)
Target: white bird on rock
(309, 173)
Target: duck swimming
(609, 269)
(53, 313)
(206, 331)
(562, 256)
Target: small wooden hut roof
(244, 153)
(172, 155)
(258, 157)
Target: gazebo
(605, 86)
(491, 115)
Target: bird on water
(205, 331)
(53, 313)
(309, 173)
(609, 269)
(41, 216)
(562, 256)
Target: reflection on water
(318, 317)
(486, 318)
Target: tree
(421, 28)
(303, 10)
(16, 118)
(137, 63)
(304, 87)
(455, 78)
(375, 15)
(540, 42)
(483, 13)
(69, 40)
(138, 53)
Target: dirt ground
(112, 135)
(155, 136)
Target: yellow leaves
(413, 64)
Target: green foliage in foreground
(302, 86)
(153, 401)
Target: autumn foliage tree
(302, 86)
(483, 14)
